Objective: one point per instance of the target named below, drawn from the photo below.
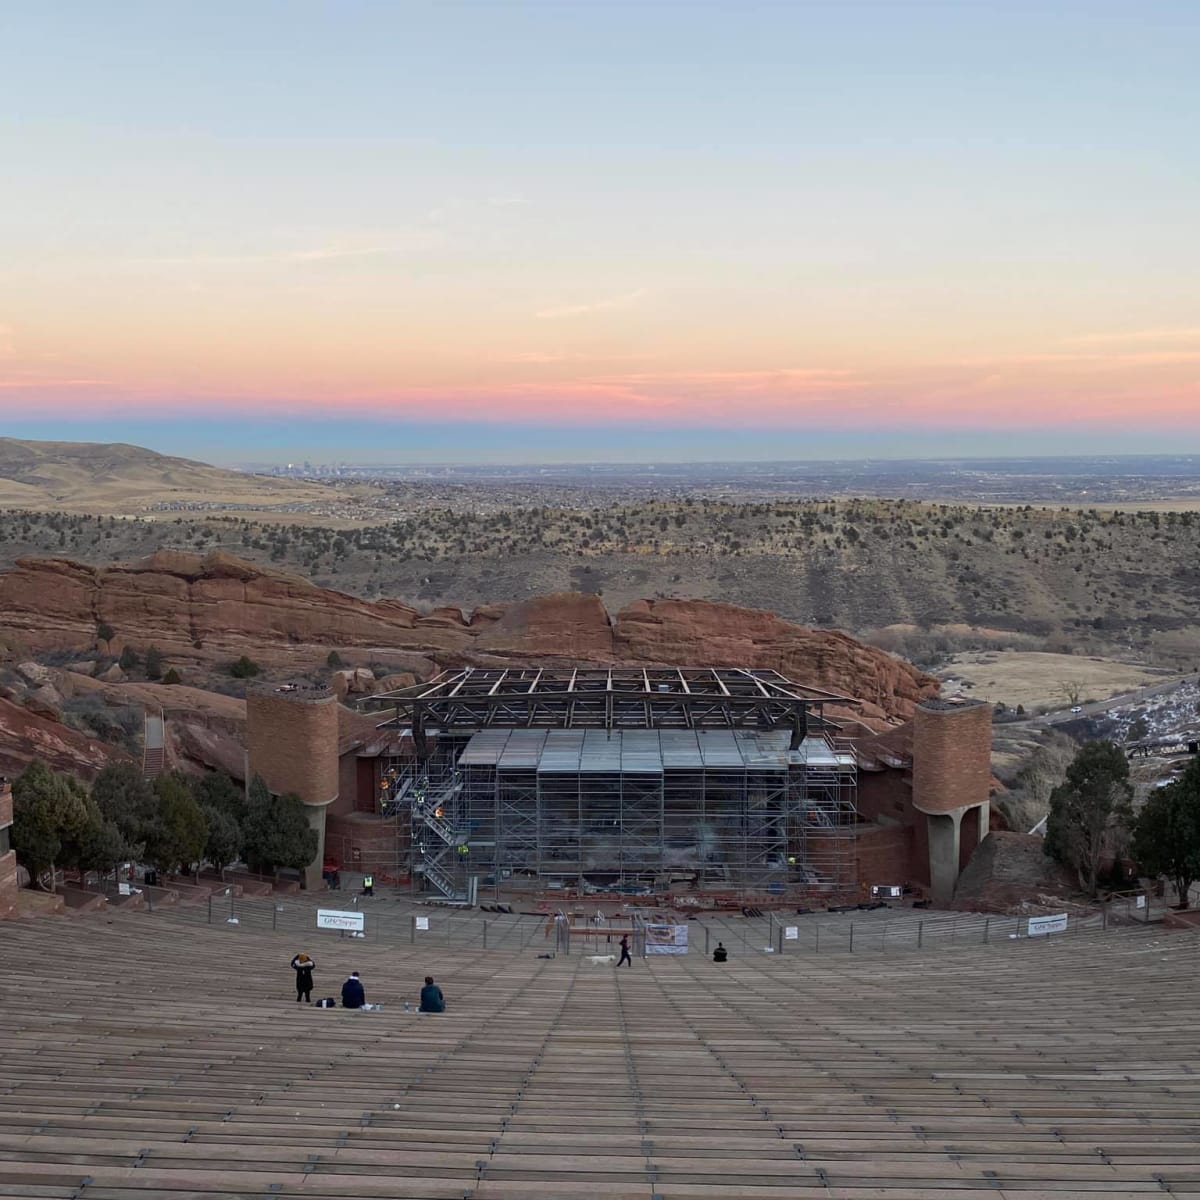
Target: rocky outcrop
(25, 736)
(723, 635)
(219, 606)
(178, 600)
(1006, 870)
(567, 626)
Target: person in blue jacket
(432, 1000)
(353, 993)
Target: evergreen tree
(216, 790)
(276, 831)
(1166, 835)
(99, 845)
(124, 797)
(48, 812)
(224, 844)
(1090, 811)
(177, 837)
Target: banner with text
(666, 939)
(331, 918)
(1043, 925)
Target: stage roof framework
(609, 698)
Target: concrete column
(944, 832)
(316, 821)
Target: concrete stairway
(144, 1057)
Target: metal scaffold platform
(714, 778)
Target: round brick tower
(292, 743)
(952, 775)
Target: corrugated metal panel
(601, 751)
(524, 750)
(641, 753)
(680, 750)
(719, 748)
(562, 751)
(484, 749)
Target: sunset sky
(389, 231)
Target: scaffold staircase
(439, 831)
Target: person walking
(625, 955)
(353, 993)
(432, 1000)
(303, 966)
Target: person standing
(625, 955)
(353, 993)
(303, 966)
(432, 1000)
(368, 885)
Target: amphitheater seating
(145, 1054)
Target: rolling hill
(119, 479)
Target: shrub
(244, 668)
(172, 676)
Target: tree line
(1091, 821)
(175, 824)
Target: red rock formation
(568, 626)
(25, 736)
(723, 635)
(231, 607)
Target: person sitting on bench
(720, 954)
(432, 1000)
(353, 993)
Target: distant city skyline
(523, 232)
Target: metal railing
(886, 931)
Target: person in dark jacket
(625, 956)
(432, 999)
(353, 993)
(303, 966)
(720, 954)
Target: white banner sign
(1141, 902)
(330, 918)
(422, 922)
(1042, 925)
(124, 889)
(666, 939)
(791, 933)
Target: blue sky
(578, 227)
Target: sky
(389, 231)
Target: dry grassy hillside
(117, 478)
(1125, 582)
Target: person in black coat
(432, 1000)
(303, 966)
(625, 958)
(720, 954)
(353, 993)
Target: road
(1101, 707)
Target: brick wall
(8, 860)
(292, 742)
(885, 855)
(952, 755)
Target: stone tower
(292, 743)
(952, 775)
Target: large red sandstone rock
(25, 736)
(567, 626)
(709, 634)
(233, 607)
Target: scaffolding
(638, 783)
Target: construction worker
(368, 885)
